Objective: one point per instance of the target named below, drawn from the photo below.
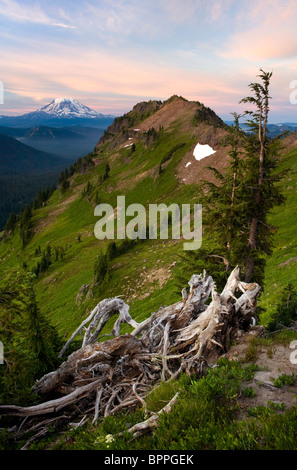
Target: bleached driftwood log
(186, 336)
(222, 320)
(101, 314)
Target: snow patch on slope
(202, 151)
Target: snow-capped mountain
(60, 112)
(68, 107)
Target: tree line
(24, 218)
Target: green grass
(69, 215)
(277, 277)
(285, 379)
(206, 416)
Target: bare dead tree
(103, 378)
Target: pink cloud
(99, 74)
(267, 30)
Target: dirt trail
(273, 361)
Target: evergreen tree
(223, 217)
(63, 180)
(97, 199)
(45, 262)
(25, 225)
(42, 197)
(100, 268)
(87, 189)
(111, 250)
(106, 172)
(261, 180)
(31, 343)
(238, 203)
(11, 222)
(39, 334)
(223, 203)
(65, 185)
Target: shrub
(100, 268)
(286, 312)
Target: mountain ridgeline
(122, 125)
(142, 155)
(149, 155)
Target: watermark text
(293, 94)
(1, 353)
(157, 222)
(1, 92)
(293, 355)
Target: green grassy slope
(144, 274)
(281, 267)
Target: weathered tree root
(105, 377)
(152, 422)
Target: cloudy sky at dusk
(111, 54)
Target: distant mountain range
(69, 142)
(36, 146)
(40, 132)
(58, 113)
(24, 171)
(18, 158)
(274, 129)
(277, 129)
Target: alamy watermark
(185, 222)
(1, 92)
(293, 95)
(1, 353)
(293, 355)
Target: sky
(112, 54)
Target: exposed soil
(46, 222)
(198, 170)
(272, 362)
(148, 281)
(168, 114)
(290, 142)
